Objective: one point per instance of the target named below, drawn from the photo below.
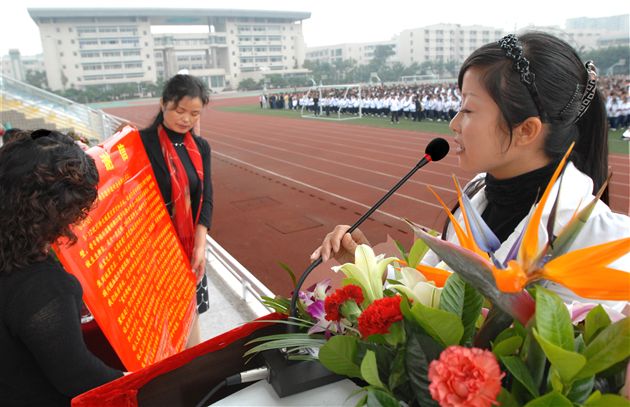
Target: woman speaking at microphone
(181, 163)
(524, 101)
(47, 184)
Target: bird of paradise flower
(584, 271)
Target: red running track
(281, 184)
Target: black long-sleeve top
(151, 143)
(510, 200)
(43, 358)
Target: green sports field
(615, 144)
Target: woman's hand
(340, 244)
(198, 260)
(123, 125)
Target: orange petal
(529, 246)
(510, 280)
(584, 271)
(464, 241)
(473, 244)
(437, 275)
(603, 283)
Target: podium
(185, 378)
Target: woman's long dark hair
(179, 87)
(47, 184)
(560, 77)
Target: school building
(101, 46)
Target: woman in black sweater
(47, 184)
(181, 163)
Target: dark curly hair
(47, 184)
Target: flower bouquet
(485, 334)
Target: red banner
(136, 278)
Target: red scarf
(180, 187)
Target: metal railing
(58, 110)
(242, 282)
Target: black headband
(514, 50)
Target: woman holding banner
(181, 163)
(47, 184)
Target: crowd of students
(616, 90)
(432, 102)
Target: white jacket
(602, 226)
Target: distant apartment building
(16, 66)
(98, 46)
(362, 53)
(443, 42)
(606, 31)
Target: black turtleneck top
(510, 200)
(151, 143)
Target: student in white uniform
(516, 146)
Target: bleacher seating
(27, 107)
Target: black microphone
(435, 151)
(289, 378)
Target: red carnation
(334, 301)
(379, 316)
(465, 377)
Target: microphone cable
(239, 378)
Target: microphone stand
(290, 377)
(293, 307)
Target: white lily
(415, 286)
(367, 271)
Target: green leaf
(553, 399)
(568, 363)
(596, 320)
(519, 371)
(286, 343)
(581, 389)
(362, 401)
(611, 346)
(417, 252)
(398, 373)
(421, 350)
(369, 370)
(507, 347)
(505, 334)
(606, 400)
(579, 346)
(534, 358)
(461, 299)
(506, 399)
(290, 272)
(338, 355)
(443, 326)
(552, 319)
(402, 251)
(379, 398)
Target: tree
(248, 84)
(381, 54)
(37, 79)
(605, 58)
